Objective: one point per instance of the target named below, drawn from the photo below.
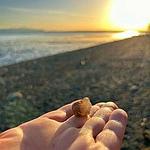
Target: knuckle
(121, 113)
(95, 120)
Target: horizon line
(46, 31)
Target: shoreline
(80, 49)
(13, 54)
(117, 71)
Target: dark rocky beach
(117, 71)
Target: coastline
(117, 71)
(18, 47)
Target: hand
(61, 130)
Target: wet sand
(117, 71)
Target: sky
(75, 15)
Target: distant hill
(26, 30)
(20, 30)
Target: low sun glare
(126, 34)
(130, 14)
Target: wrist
(11, 139)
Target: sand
(117, 71)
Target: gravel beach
(117, 71)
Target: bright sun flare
(130, 14)
(126, 34)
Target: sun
(130, 14)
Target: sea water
(17, 47)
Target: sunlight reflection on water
(15, 48)
(126, 34)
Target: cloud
(48, 12)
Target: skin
(60, 129)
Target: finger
(93, 110)
(96, 124)
(113, 132)
(97, 106)
(56, 115)
(76, 122)
(105, 110)
(92, 126)
(61, 114)
(72, 123)
(68, 109)
(103, 113)
(108, 104)
(100, 104)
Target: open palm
(61, 130)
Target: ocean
(18, 47)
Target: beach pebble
(145, 120)
(14, 96)
(127, 137)
(82, 62)
(22, 75)
(146, 134)
(29, 97)
(134, 88)
(82, 107)
(3, 71)
(142, 124)
(2, 81)
(34, 62)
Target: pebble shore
(117, 71)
